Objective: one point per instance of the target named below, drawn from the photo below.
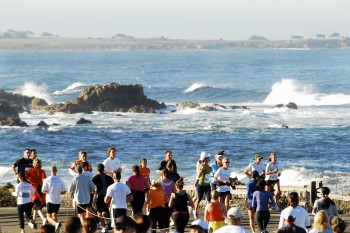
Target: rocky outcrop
(207, 108)
(112, 97)
(19, 102)
(82, 121)
(187, 104)
(290, 105)
(9, 115)
(238, 107)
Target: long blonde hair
(321, 221)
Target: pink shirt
(137, 183)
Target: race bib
(25, 195)
(206, 178)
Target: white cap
(235, 212)
(200, 223)
(204, 155)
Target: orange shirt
(145, 172)
(158, 198)
(216, 214)
(35, 177)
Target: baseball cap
(257, 156)
(200, 223)
(204, 155)
(235, 212)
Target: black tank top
(180, 202)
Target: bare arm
(129, 197)
(189, 198)
(107, 199)
(171, 202)
(206, 213)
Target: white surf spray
(291, 90)
(37, 90)
(194, 87)
(73, 88)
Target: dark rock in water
(112, 97)
(38, 102)
(187, 104)
(55, 124)
(285, 126)
(42, 124)
(9, 115)
(278, 105)
(238, 107)
(219, 106)
(207, 108)
(83, 121)
(292, 105)
(20, 102)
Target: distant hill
(129, 43)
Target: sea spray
(73, 88)
(30, 88)
(292, 90)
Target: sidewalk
(9, 220)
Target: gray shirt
(82, 187)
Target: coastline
(154, 44)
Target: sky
(178, 19)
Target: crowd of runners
(101, 199)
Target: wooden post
(313, 192)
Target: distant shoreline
(162, 44)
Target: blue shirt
(251, 188)
(215, 167)
(261, 200)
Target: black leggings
(158, 216)
(27, 209)
(262, 218)
(138, 202)
(180, 221)
(168, 213)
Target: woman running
(179, 202)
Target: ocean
(314, 147)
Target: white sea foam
(291, 90)
(30, 88)
(73, 88)
(194, 87)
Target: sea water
(316, 146)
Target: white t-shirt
(256, 167)
(232, 229)
(270, 167)
(301, 216)
(118, 191)
(112, 164)
(53, 186)
(23, 192)
(223, 174)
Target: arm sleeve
(254, 201)
(281, 223)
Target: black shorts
(81, 208)
(101, 206)
(37, 205)
(52, 208)
(222, 194)
(272, 182)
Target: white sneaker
(45, 222)
(32, 225)
(57, 227)
(104, 230)
(23, 231)
(195, 214)
(172, 223)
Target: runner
(53, 187)
(272, 173)
(22, 164)
(256, 166)
(82, 157)
(215, 212)
(168, 157)
(112, 163)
